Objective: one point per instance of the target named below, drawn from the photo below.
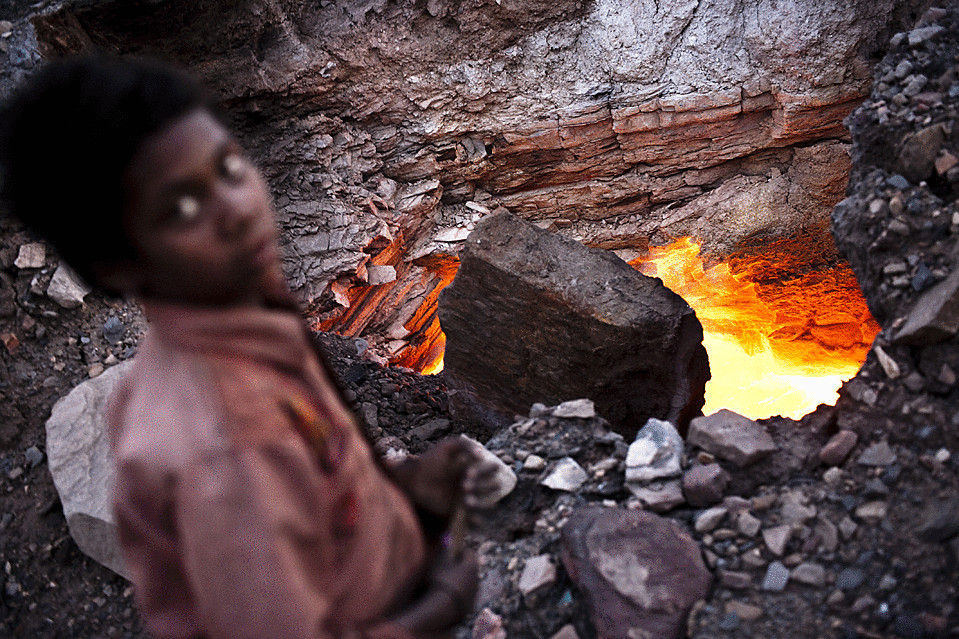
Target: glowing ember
(774, 349)
(425, 353)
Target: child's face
(199, 217)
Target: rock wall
(616, 124)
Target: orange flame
(425, 353)
(774, 349)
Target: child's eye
(233, 166)
(187, 208)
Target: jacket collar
(275, 336)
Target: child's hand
(451, 473)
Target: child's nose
(236, 211)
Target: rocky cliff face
(400, 124)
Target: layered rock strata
(614, 124)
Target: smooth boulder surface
(78, 449)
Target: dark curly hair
(66, 137)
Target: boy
(247, 501)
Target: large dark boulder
(536, 317)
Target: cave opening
(785, 323)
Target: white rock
(455, 234)
(656, 453)
(539, 572)
(80, 462)
(377, 274)
(567, 475)
(505, 477)
(534, 463)
(879, 454)
(888, 364)
(776, 538)
(31, 256)
(582, 408)
(66, 288)
(709, 519)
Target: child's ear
(121, 276)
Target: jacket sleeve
(253, 541)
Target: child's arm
(242, 551)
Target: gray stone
(567, 476)
(878, 454)
(33, 456)
(538, 574)
(828, 535)
(656, 453)
(659, 496)
(705, 485)
(638, 573)
(66, 288)
(917, 156)
(709, 519)
(809, 573)
(602, 329)
(732, 437)
(534, 463)
(918, 36)
(505, 477)
(79, 459)
(581, 408)
(735, 579)
(31, 256)
(795, 507)
(847, 527)
(777, 576)
(377, 275)
(850, 578)
(113, 329)
(776, 538)
(935, 316)
(748, 525)
(940, 521)
(488, 625)
(838, 447)
(872, 511)
(566, 632)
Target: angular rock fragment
(505, 477)
(732, 437)
(66, 288)
(639, 574)
(79, 459)
(705, 485)
(535, 317)
(31, 255)
(567, 476)
(538, 574)
(656, 453)
(838, 447)
(935, 316)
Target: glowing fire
(774, 349)
(425, 354)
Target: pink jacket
(247, 501)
